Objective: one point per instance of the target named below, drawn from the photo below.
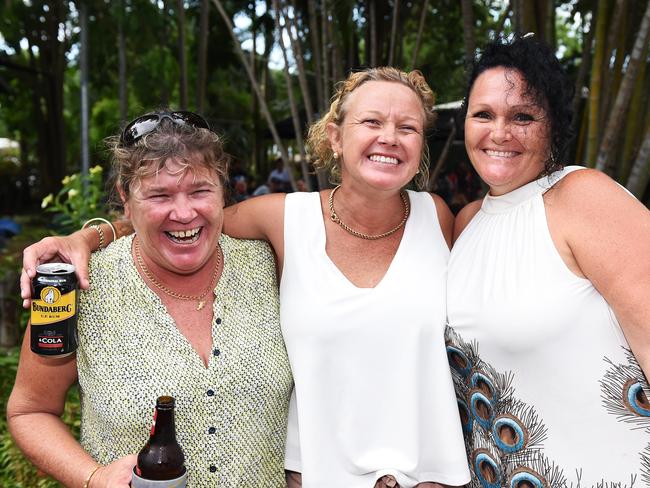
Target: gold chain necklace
(199, 298)
(335, 218)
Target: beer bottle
(161, 458)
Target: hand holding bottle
(114, 475)
(161, 462)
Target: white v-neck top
(551, 394)
(373, 390)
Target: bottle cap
(165, 402)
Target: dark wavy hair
(547, 85)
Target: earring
(335, 155)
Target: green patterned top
(231, 417)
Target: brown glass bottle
(162, 458)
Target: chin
(388, 182)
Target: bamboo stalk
(260, 97)
(595, 85)
(423, 15)
(295, 117)
(625, 92)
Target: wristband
(92, 473)
(101, 236)
(105, 222)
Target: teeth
(383, 159)
(500, 154)
(181, 234)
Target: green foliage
(15, 470)
(82, 197)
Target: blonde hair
(188, 146)
(318, 143)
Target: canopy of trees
(249, 64)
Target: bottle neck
(164, 428)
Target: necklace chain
(200, 299)
(336, 219)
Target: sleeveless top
(549, 391)
(230, 416)
(373, 389)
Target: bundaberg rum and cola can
(55, 301)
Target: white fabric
(550, 345)
(373, 387)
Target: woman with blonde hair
(363, 269)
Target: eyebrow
(193, 185)
(377, 112)
(520, 106)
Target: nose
(388, 135)
(501, 132)
(183, 210)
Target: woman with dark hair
(177, 309)
(548, 289)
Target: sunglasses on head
(146, 124)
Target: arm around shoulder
(257, 218)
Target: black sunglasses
(148, 123)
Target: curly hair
(318, 142)
(189, 146)
(546, 84)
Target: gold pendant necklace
(199, 298)
(335, 218)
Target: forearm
(47, 442)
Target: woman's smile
(189, 236)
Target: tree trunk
(201, 78)
(164, 36)
(257, 132)
(51, 63)
(433, 177)
(263, 105)
(9, 320)
(640, 174)
(121, 54)
(182, 59)
(393, 33)
(372, 24)
(549, 22)
(615, 47)
(300, 63)
(635, 118)
(416, 51)
(593, 135)
(295, 118)
(316, 50)
(638, 119)
(469, 40)
(613, 128)
(582, 77)
(335, 53)
(325, 49)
